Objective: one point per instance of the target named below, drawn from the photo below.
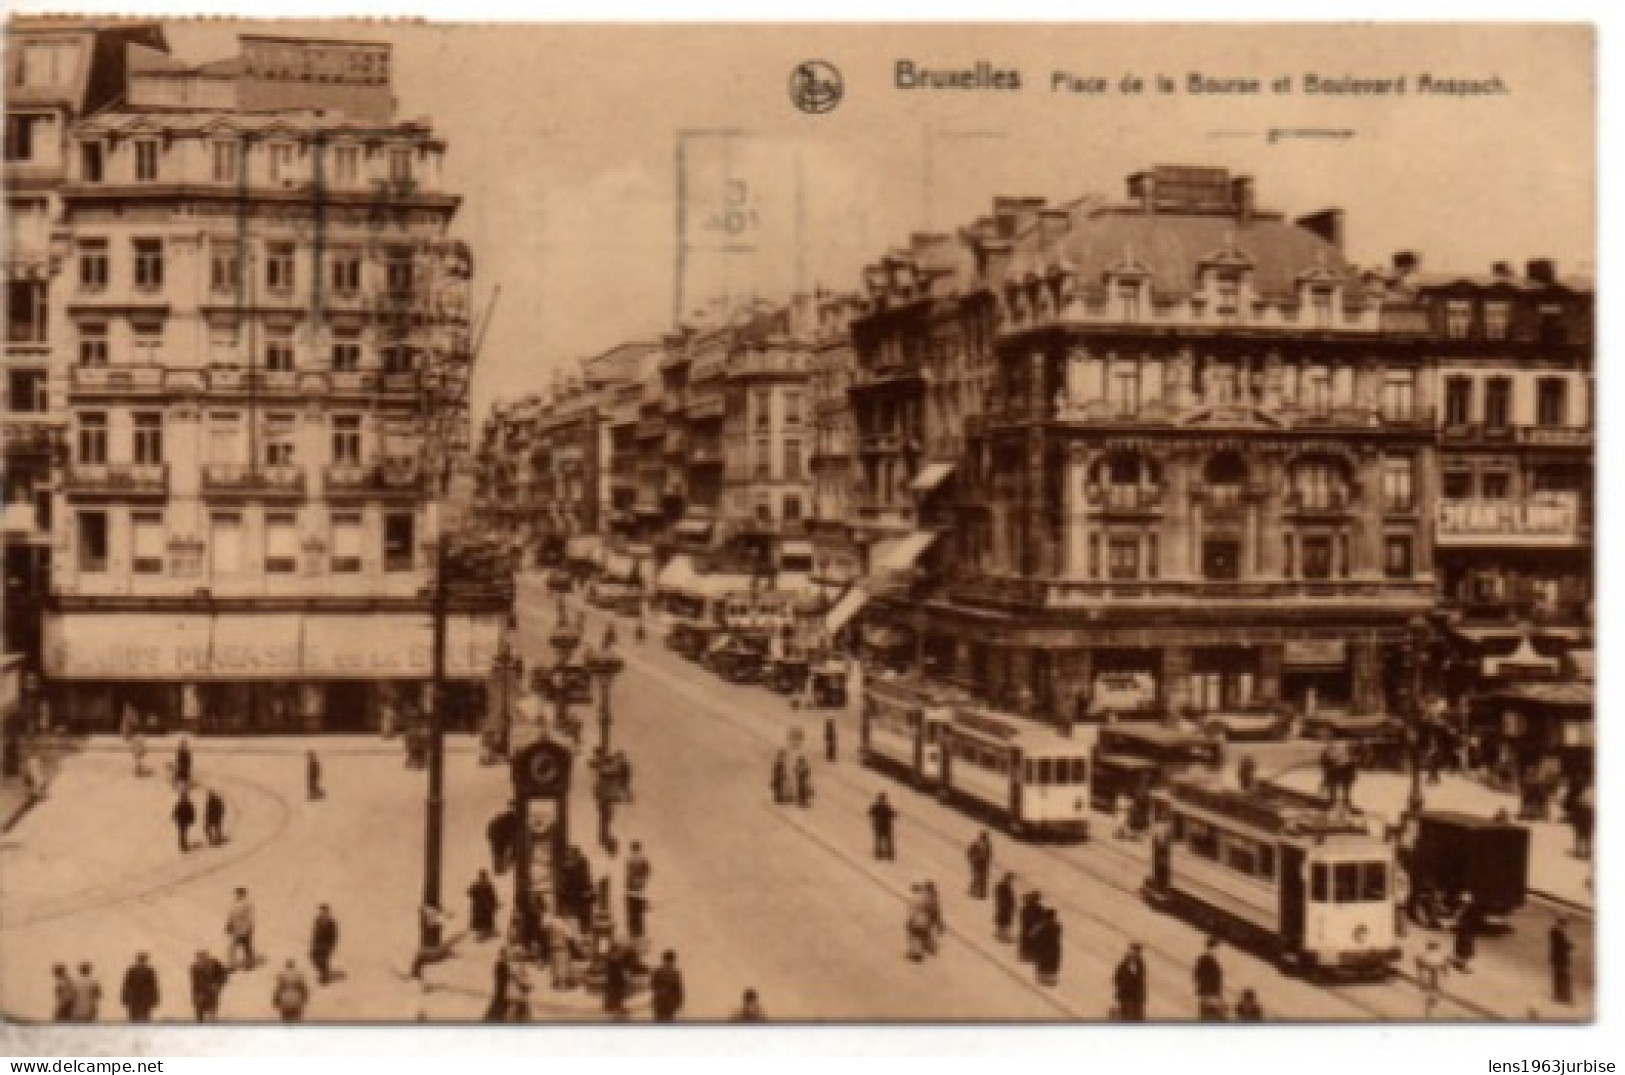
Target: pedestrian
(666, 988)
(87, 995)
(804, 789)
(1032, 908)
(937, 926)
(138, 753)
(616, 981)
(980, 856)
(750, 1009)
(518, 1006)
(1248, 1009)
(62, 984)
(638, 872)
(781, 778)
(1004, 906)
(240, 930)
(623, 775)
(1121, 807)
(1562, 960)
(1468, 925)
(883, 819)
(183, 766)
(1432, 967)
(482, 907)
(291, 993)
(1582, 818)
(605, 801)
(185, 816)
(1047, 954)
(1209, 976)
(313, 777)
(501, 978)
(501, 833)
(831, 744)
(917, 926)
(1129, 985)
(140, 992)
(208, 976)
(560, 943)
(324, 941)
(214, 818)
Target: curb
(19, 813)
(1571, 906)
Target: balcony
(1477, 433)
(353, 382)
(118, 380)
(248, 480)
(1124, 499)
(1033, 593)
(32, 433)
(399, 478)
(1546, 520)
(127, 480)
(1555, 436)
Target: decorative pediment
(1230, 416)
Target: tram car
(1311, 887)
(903, 725)
(1034, 781)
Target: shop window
(399, 538)
(281, 544)
(148, 540)
(92, 541)
(346, 544)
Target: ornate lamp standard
(604, 667)
(1416, 647)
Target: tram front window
(1346, 882)
(1374, 876)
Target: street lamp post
(1416, 645)
(605, 667)
(564, 641)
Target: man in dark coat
(324, 941)
(1004, 906)
(883, 819)
(313, 776)
(1032, 909)
(502, 833)
(214, 818)
(501, 975)
(666, 988)
(1562, 960)
(1209, 977)
(1129, 985)
(1469, 923)
(482, 907)
(183, 766)
(185, 816)
(980, 856)
(616, 984)
(830, 741)
(1047, 948)
(140, 993)
(208, 981)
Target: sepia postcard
(807, 523)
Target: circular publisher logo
(816, 86)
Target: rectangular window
(279, 350)
(281, 162)
(346, 544)
(1124, 389)
(279, 267)
(347, 438)
(147, 343)
(1320, 301)
(399, 537)
(792, 509)
(92, 541)
(225, 268)
(346, 166)
(1497, 316)
(147, 437)
(47, 63)
(149, 264)
(1399, 396)
(225, 438)
(1396, 556)
(223, 156)
(20, 132)
(1225, 291)
(1498, 403)
(763, 467)
(400, 166)
(346, 356)
(28, 392)
(397, 359)
(1317, 390)
(1128, 300)
(1458, 318)
(223, 342)
(1552, 402)
(27, 312)
(345, 272)
(398, 272)
(1399, 484)
(93, 265)
(146, 161)
(93, 438)
(792, 459)
(281, 544)
(225, 544)
(1497, 485)
(1456, 485)
(279, 440)
(1316, 552)
(1458, 401)
(792, 408)
(90, 162)
(147, 541)
(1123, 558)
(762, 408)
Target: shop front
(1315, 675)
(261, 673)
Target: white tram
(904, 721)
(1316, 889)
(1033, 780)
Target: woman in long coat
(781, 778)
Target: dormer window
(1497, 315)
(1458, 318)
(1127, 294)
(1320, 305)
(1226, 292)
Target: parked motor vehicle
(1123, 696)
(1255, 722)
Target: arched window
(1319, 483)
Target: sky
(564, 143)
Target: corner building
(261, 285)
(1202, 462)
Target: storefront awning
(697, 529)
(1523, 659)
(933, 475)
(677, 574)
(900, 554)
(584, 547)
(847, 607)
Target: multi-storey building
(56, 71)
(1202, 462)
(838, 560)
(262, 306)
(505, 493)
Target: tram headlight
(1361, 935)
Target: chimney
(1142, 187)
(1542, 271)
(1406, 262)
(1502, 270)
(1241, 197)
(1328, 224)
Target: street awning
(933, 475)
(678, 574)
(694, 528)
(1522, 659)
(900, 554)
(847, 607)
(584, 547)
